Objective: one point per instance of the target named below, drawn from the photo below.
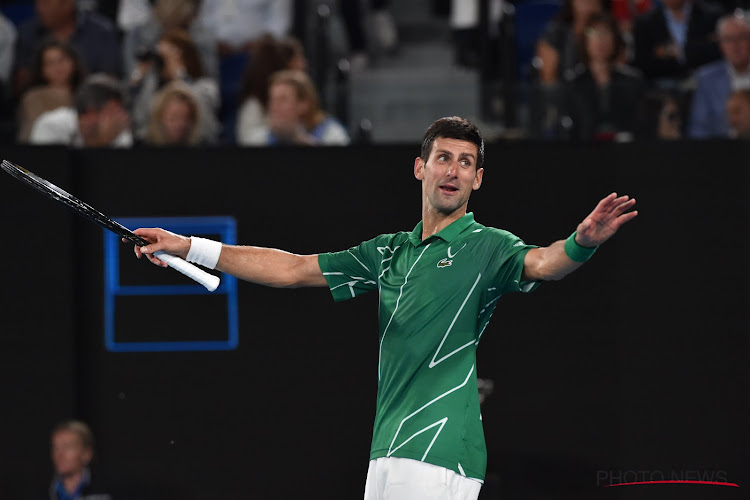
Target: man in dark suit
(715, 82)
(674, 38)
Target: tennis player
(438, 286)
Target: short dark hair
(453, 127)
(79, 428)
(96, 91)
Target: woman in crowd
(176, 59)
(270, 55)
(57, 72)
(295, 116)
(558, 50)
(175, 118)
(600, 99)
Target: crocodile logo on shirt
(444, 263)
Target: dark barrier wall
(633, 368)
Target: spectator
(294, 114)
(93, 36)
(674, 38)
(715, 81)
(175, 118)
(176, 59)
(99, 119)
(658, 116)
(603, 94)
(738, 113)
(57, 72)
(238, 25)
(72, 450)
(270, 55)
(168, 15)
(558, 49)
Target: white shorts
(390, 478)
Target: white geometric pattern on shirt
(355, 279)
(433, 362)
(441, 422)
(382, 251)
(400, 293)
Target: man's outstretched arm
(565, 256)
(265, 266)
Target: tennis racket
(208, 280)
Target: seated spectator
(176, 59)
(72, 450)
(658, 116)
(674, 38)
(168, 15)
(57, 72)
(175, 118)
(99, 119)
(294, 114)
(238, 25)
(558, 49)
(603, 94)
(715, 81)
(269, 56)
(94, 37)
(738, 113)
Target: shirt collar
(687, 9)
(60, 489)
(739, 80)
(447, 234)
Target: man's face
(734, 40)
(738, 113)
(100, 128)
(449, 175)
(53, 13)
(69, 456)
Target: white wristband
(204, 252)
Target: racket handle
(208, 280)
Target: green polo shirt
(436, 299)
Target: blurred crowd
(160, 72)
(199, 72)
(642, 69)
